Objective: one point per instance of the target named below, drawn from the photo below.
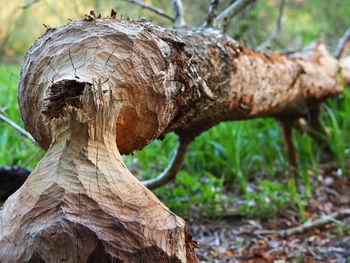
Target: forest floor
(233, 238)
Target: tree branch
(236, 7)
(277, 29)
(170, 172)
(179, 13)
(343, 45)
(287, 125)
(212, 13)
(17, 127)
(154, 9)
(30, 3)
(308, 225)
(317, 130)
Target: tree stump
(81, 204)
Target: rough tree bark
(81, 204)
(169, 80)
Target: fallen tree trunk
(168, 80)
(81, 204)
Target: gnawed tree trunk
(81, 204)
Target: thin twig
(277, 29)
(2, 110)
(212, 13)
(324, 220)
(17, 127)
(317, 130)
(236, 7)
(153, 8)
(29, 4)
(175, 165)
(343, 45)
(287, 125)
(179, 13)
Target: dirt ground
(233, 238)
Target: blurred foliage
(14, 149)
(303, 21)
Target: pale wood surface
(81, 200)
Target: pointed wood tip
(113, 14)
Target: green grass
(228, 156)
(338, 121)
(232, 154)
(14, 149)
(235, 153)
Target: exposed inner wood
(81, 204)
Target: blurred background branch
(30, 3)
(343, 45)
(302, 22)
(277, 29)
(152, 8)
